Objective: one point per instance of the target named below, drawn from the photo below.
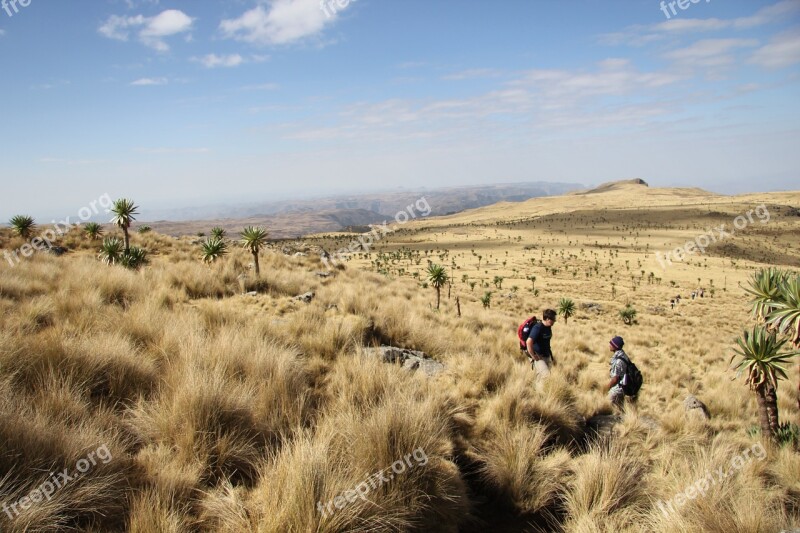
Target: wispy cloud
(51, 85)
(782, 51)
(470, 74)
(2, 32)
(216, 61)
(640, 35)
(151, 31)
(710, 52)
(278, 22)
(150, 81)
(536, 103)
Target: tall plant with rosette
(566, 308)
(124, 211)
(785, 318)
(765, 288)
(23, 225)
(93, 230)
(111, 251)
(764, 363)
(213, 248)
(253, 239)
(437, 276)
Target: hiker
(626, 380)
(538, 344)
(672, 303)
(702, 292)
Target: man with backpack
(626, 380)
(534, 341)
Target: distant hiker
(702, 292)
(693, 295)
(537, 344)
(626, 380)
(672, 303)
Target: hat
(617, 342)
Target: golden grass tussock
(230, 405)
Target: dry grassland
(231, 412)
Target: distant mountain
(293, 218)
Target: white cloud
(539, 103)
(616, 77)
(214, 60)
(281, 22)
(782, 51)
(150, 81)
(710, 52)
(470, 74)
(639, 35)
(52, 85)
(151, 31)
(117, 27)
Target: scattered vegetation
(23, 225)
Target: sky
(181, 103)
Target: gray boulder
(307, 297)
(57, 251)
(696, 408)
(409, 360)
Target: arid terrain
(295, 218)
(223, 402)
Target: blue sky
(197, 102)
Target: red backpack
(524, 330)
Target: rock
(409, 360)
(324, 274)
(603, 424)
(696, 408)
(57, 251)
(300, 254)
(593, 307)
(307, 297)
(252, 293)
(657, 309)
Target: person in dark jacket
(538, 344)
